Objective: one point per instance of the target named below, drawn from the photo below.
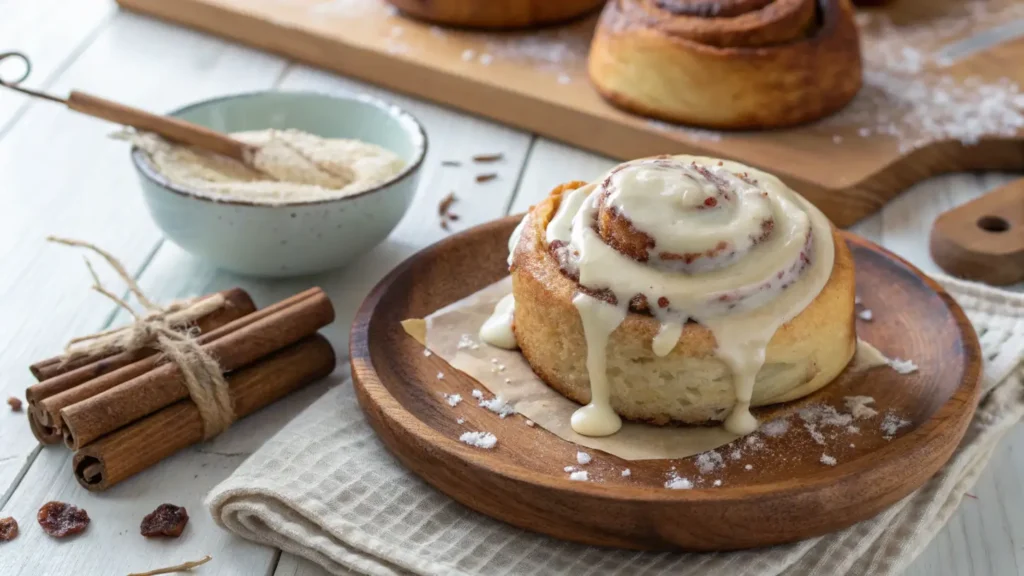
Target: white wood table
(59, 174)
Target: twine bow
(167, 329)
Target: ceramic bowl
(296, 238)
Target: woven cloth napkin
(326, 489)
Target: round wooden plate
(786, 494)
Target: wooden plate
(786, 495)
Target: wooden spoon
(173, 129)
(983, 240)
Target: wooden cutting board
(778, 489)
(904, 126)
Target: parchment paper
(452, 334)
(519, 386)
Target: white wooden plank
(552, 163)
(51, 33)
(63, 176)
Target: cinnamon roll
(496, 13)
(727, 63)
(681, 288)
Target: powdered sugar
(676, 482)
(498, 405)
(583, 458)
(775, 428)
(627, 473)
(484, 440)
(903, 366)
(708, 462)
(580, 476)
(827, 460)
(453, 399)
(866, 315)
(892, 424)
(858, 407)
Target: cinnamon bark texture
(80, 378)
(149, 440)
(237, 303)
(118, 402)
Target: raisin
(14, 403)
(59, 519)
(167, 520)
(663, 302)
(8, 529)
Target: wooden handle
(983, 240)
(172, 129)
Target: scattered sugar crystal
(716, 483)
(466, 341)
(460, 421)
(903, 366)
(866, 315)
(754, 442)
(816, 434)
(853, 430)
(676, 482)
(453, 399)
(836, 139)
(825, 415)
(478, 394)
(858, 406)
(564, 78)
(568, 468)
(486, 59)
(748, 467)
(530, 423)
(852, 445)
(736, 455)
(827, 460)
(708, 462)
(581, 476)
(775, 428)
(864, 132)
(856, 299)
(468, 55)
(627, 473)
(498, 405)
(501, 367)
(440, 375)
(891, 424)
(494, 361)
(427, 352)
(583, 458)
(508, 380)
(484, 440)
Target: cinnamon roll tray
(779, 488)
(934, 100)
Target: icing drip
(497, 330)
(600, 319)
(719, 243)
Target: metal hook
(13, 84)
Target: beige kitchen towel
(326, 489)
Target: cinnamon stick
(44, 415)
(237, 303)
(234, 345)
(48, 409)
(145, 442)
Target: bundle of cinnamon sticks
(122, 412)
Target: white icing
(600, 319)
(513, 240)
(497, 330)
(763, 277)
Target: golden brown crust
(766, 68)
(496, 13)
(804, 355)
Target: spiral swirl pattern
(726, 23)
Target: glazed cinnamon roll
(496, 13)
(683, 289)
(727, 63)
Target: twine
(168, 330)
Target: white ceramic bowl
(296, 238)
